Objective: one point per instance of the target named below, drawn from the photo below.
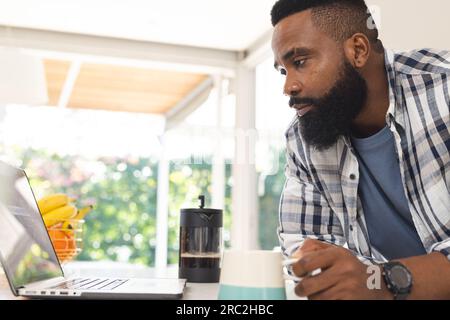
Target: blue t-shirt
(386, 211)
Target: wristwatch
(398, 279)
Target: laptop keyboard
(91, 284)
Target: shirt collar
(393, 113)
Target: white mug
(252, 275)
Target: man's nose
(291, 88)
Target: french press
(200, 244)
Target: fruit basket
(64, 222)
(67, 238)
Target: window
(110, 159)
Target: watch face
(400, 277)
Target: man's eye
(283, 72)
(299, 63)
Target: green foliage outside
(122, 226)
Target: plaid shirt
(320, 198)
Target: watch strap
(401, 296)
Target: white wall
(411, 24)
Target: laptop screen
(26, 252)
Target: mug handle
(293, 278)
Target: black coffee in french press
(200, 244)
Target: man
(367, 156)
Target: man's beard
(333, 114)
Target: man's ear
(357, 50)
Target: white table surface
(193, 291)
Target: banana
(59, 215)
(53, 201)
(81, 213)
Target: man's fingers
(310, 245)
(313, 245)
(313, 286)
(311, 261)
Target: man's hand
(343, 276)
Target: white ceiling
(219, 24)
(229, 24)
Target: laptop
(30, 262)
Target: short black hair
(340, 19)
